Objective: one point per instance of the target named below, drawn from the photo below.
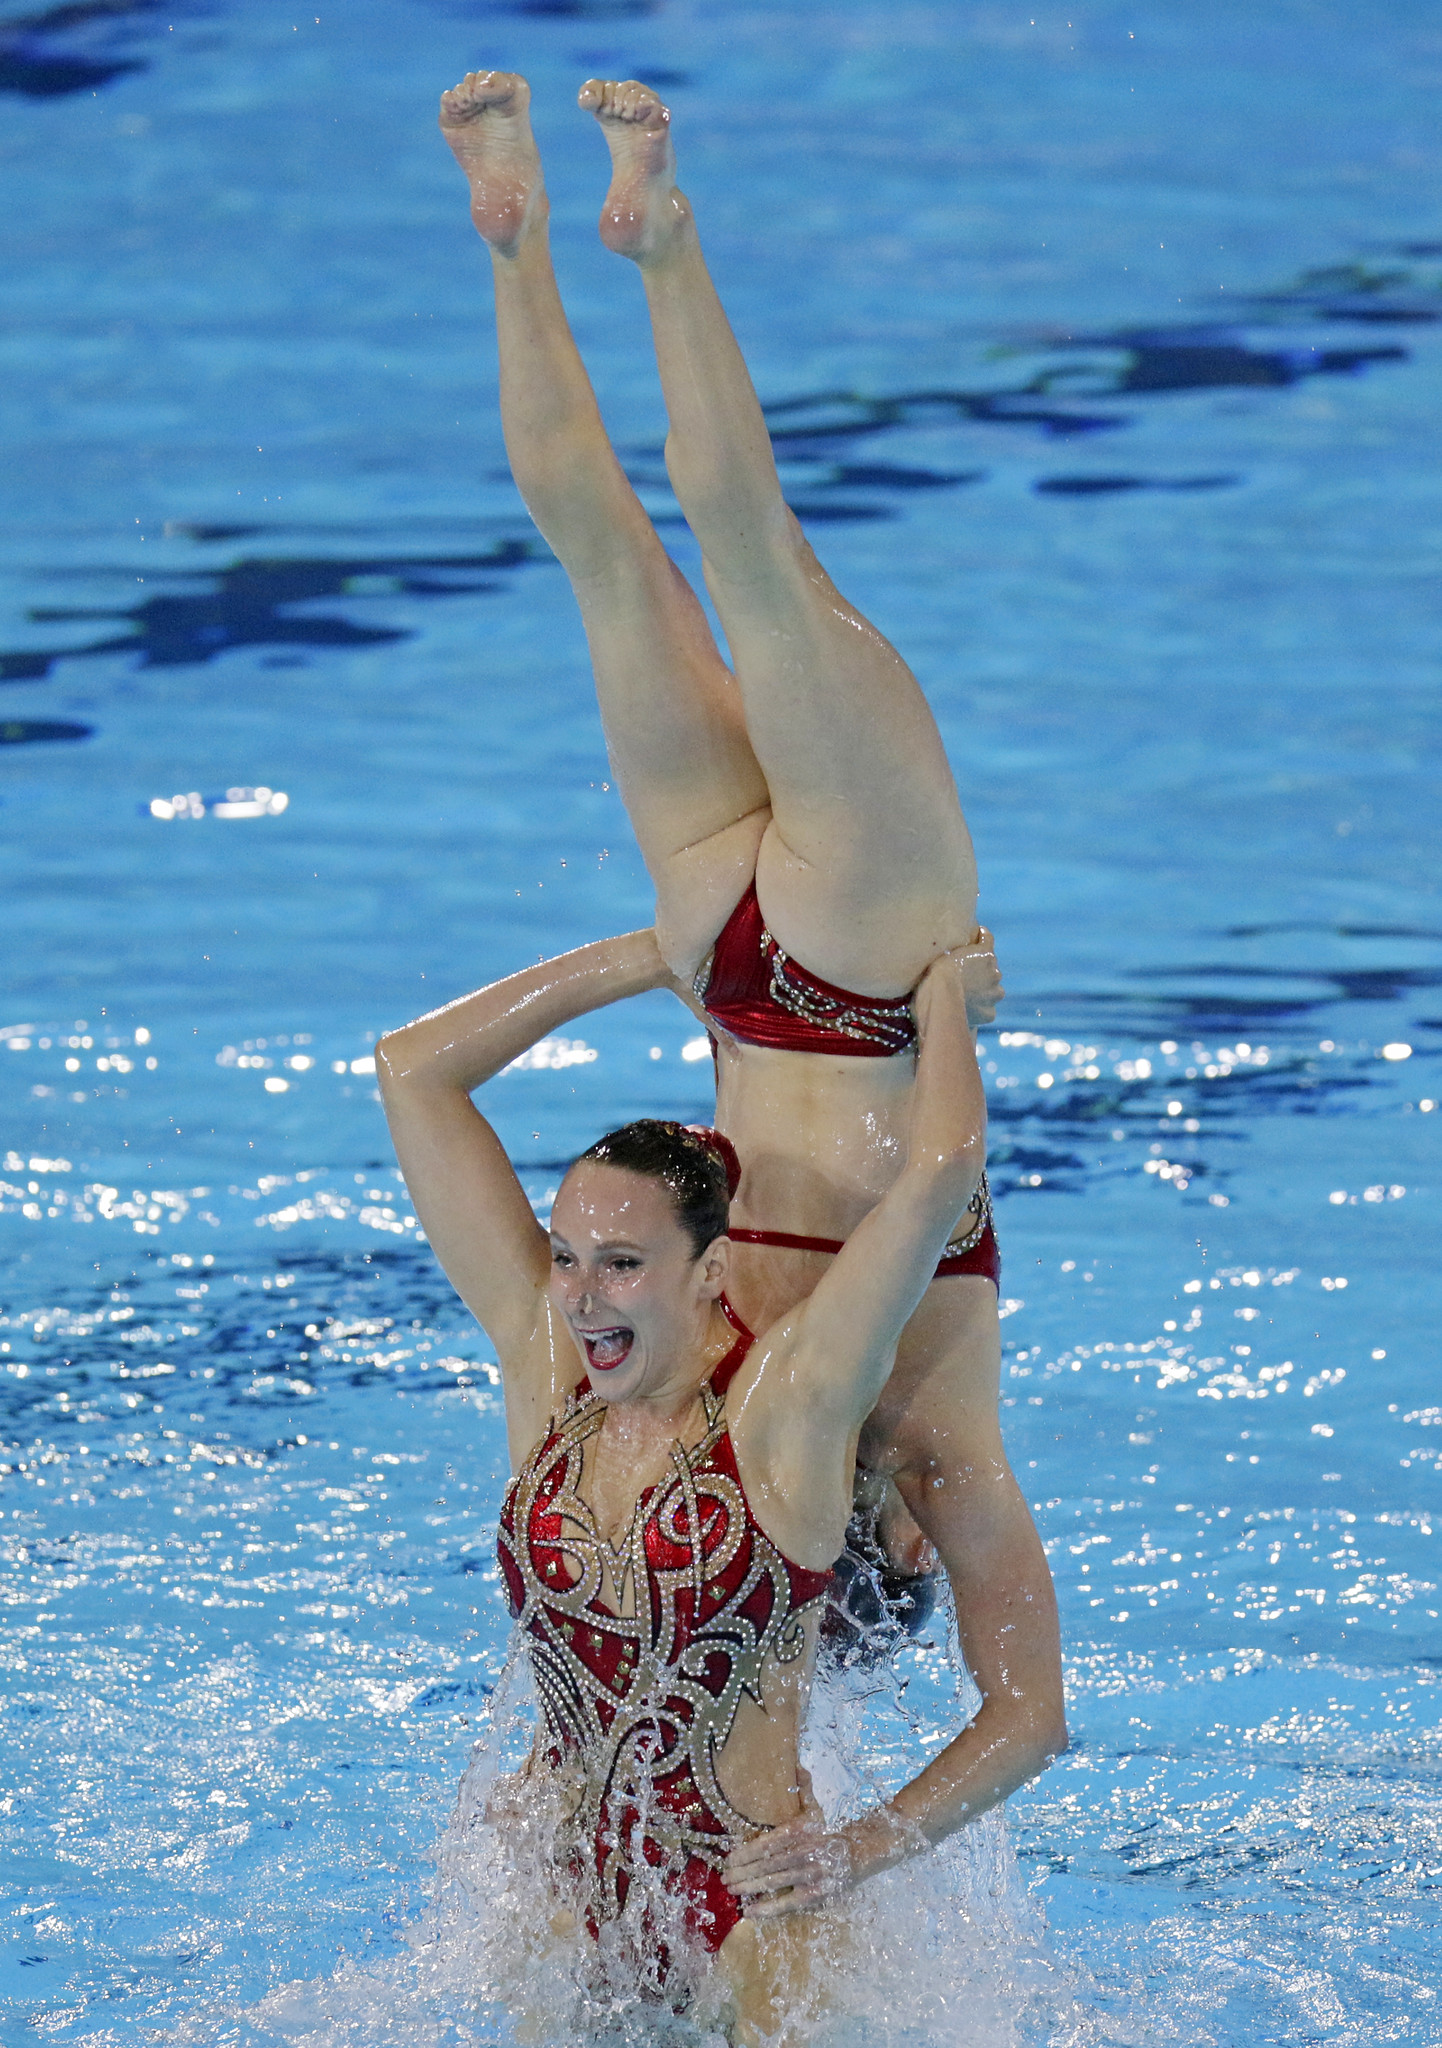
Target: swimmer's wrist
(639, 958)
(881, 1839)
(909, 1836)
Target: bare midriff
(821, 1137)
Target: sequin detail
(755, 991)
(639, 1703)
(968, 1241)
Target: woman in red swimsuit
(797, 809)
(681, 1487)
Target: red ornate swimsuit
(756, 992)
(642, 1703)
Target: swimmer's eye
(626, 1263)
(561, 1258)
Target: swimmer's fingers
(762, 1853)
(789, 1869)
(801, 1898)
(971, 967)
(981, 978)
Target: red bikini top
(644, 1699)
(758, 993)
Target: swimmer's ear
(715, 1263)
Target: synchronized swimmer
(683, 1487)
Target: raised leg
(673, 714)
(866, 870)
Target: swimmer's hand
(803, 1863)
(981, 978)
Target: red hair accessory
(725, 1152)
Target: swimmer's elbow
(390, 1061)
(954, 1166)
(1032, 1747)
(408, 1059)
(402, 1066)
(1053, 1741)
(1047, 1736)
(1036, 1737)
(1043, 1716)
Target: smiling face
(626, 1279)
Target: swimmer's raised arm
(883, 1270)
(471, 1205)
(795, 1428)
(468, 1041)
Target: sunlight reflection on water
(1166, 580)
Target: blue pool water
(1104, 353)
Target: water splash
(947, 1951)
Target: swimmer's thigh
(767, 1966)
(676, 733)
(867, 871)
(947, 1376)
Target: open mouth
(606, 1349)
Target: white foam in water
(945, 1951)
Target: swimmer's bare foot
(486, 120)
(643, 209)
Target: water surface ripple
(1099, 348)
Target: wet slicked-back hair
(698, 1169)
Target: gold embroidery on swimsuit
(897, 1031)
(680, 1680)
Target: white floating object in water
(260, 802)
(1396, 1051)
(696, 1049)
(243, 801)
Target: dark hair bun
(726, 1152)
